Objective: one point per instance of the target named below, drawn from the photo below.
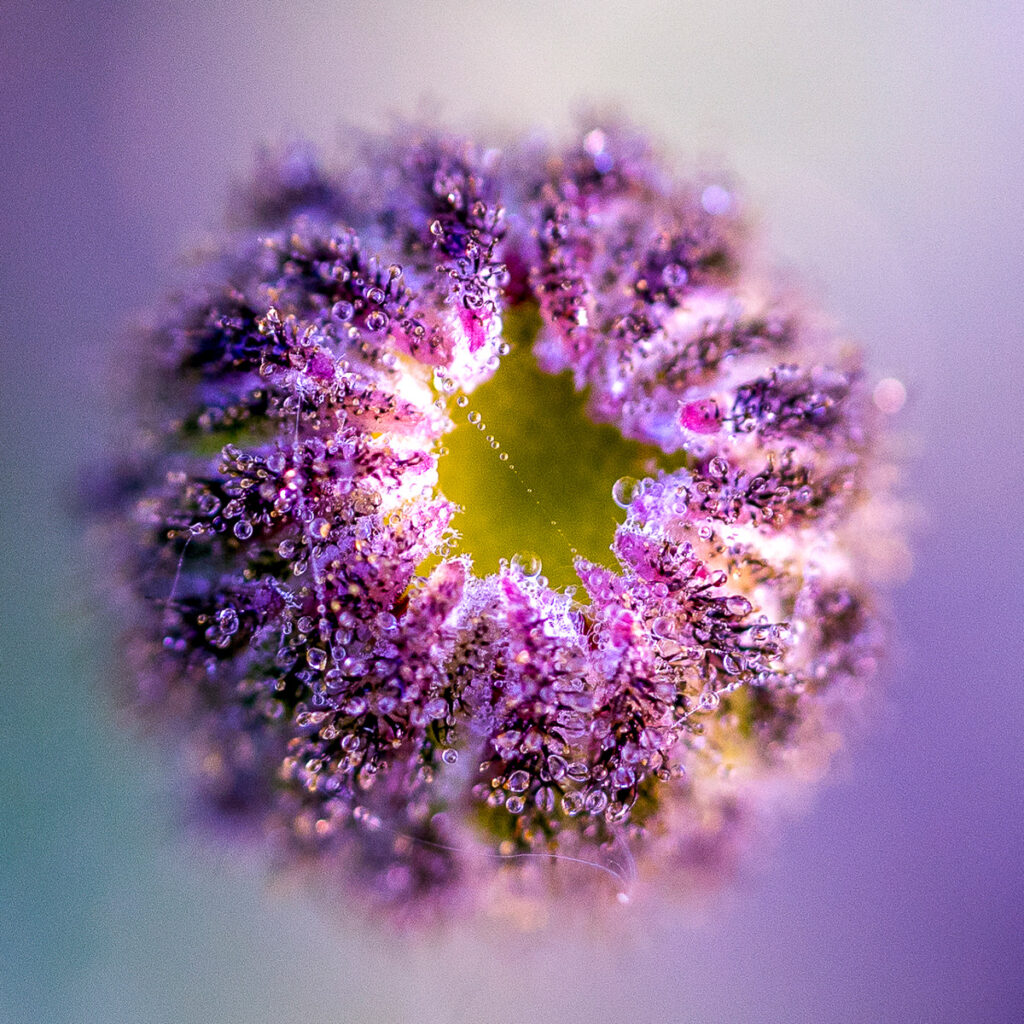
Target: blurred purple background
(883, 145)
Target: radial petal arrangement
(304, 613)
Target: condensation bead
(227, 620)
(674, 275)
(708, 701)
(377, 320)
(545, 798)
(623, 491)
(663, 626)
(527, 563)
(357, 706)
(208, 503)
(572, 803)
(387, 622)
(436, 709)
(718, 468)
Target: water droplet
(474, 417)
(623, 491)
(243, 529)
(462, 401)
(674, 275)
(227, 620)
(316, 658)
(595, 141)
(387, 622)
(515, 804)
(708, 701)
(718, 468)
(572, 804)
(518, 782)
(436, 709)
(208, 503)
(527, 563)
(343, 310)
(449, 755)
(716, 200)
(889, 395)
(356, 706)
(664, 626)
(375, 295)
(377, 320)
(545, 799)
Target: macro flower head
(494, 528)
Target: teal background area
(882, 144)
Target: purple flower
(347, 685)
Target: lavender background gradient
(883, 143)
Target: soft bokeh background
(882, 143)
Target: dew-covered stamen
(288, 182)
(790, 402)
(440, 204)
(569, 198)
